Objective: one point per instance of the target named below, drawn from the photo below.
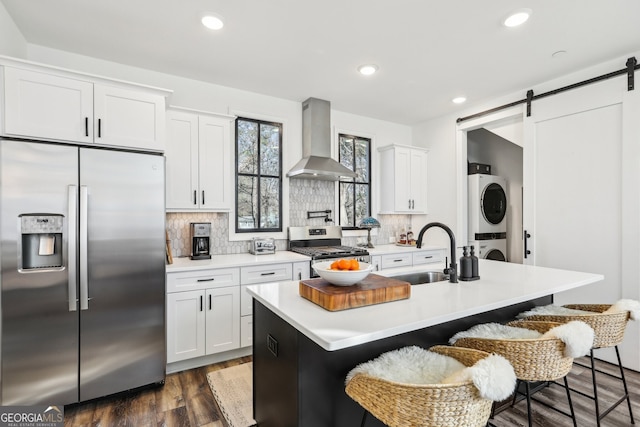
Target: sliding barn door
(581, 191)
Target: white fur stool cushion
(577, 336)
(632, 306)
(493, 376)
(409, 365)
(495, 331)
(553, 310)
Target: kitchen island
(302, 352)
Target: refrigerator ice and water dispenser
(40, 245)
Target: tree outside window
(355, 193)
(258, 176)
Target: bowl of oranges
(343, 272)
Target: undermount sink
(422, 277)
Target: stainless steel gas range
(323, 243)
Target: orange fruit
(334, 265)
(343, 264)
(354, 264)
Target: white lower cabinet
(203, 313)
(376, 261)
(301, 270)
(223, 319)
(253, 275)
(396, 260)
(185, 325)
(246, 331)
(411, 257)
(428, 257)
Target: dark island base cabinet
(299, 384)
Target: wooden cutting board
(373, 289)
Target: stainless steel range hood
(316, 162)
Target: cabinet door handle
(209, 302)
(409, 203)
(195, 195)
(86, 126)
(99, 128)
(428, 256)
(200, 302)
(300, 275)
(206, 280)
(397, 260)
(526, 236)
(203, 197)
(271, 273)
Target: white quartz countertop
(393, 249)
(239, 260)
(501, 284)
(234, 260)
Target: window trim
(233, 219)
(369, 183)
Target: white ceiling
(428, 52)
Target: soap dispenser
(474, 264)
(466, 268)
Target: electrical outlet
(272, 345)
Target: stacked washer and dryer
(488, 216)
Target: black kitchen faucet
(452, 271)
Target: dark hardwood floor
(186, 401)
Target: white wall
(439, 136)
(12, 43)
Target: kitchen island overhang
(501, 284)
(302, 352)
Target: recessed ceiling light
(459, 100)
(518, 17)
(212, 22)
(559, 54)
(368, 69)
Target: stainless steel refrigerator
(82, 249)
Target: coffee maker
(200, 238)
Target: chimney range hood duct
(316, 160)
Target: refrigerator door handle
(84, 279)
(72, 255)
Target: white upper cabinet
(42, 105)
(403, 179)
(198, 154)
(129, 118)
(59, 106)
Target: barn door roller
(631, 67)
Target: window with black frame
(355, 193)
(258, 176)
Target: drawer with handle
(266, 273)
(202, 279)
(396, 260)
(428, 257)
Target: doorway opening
(495, 142)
